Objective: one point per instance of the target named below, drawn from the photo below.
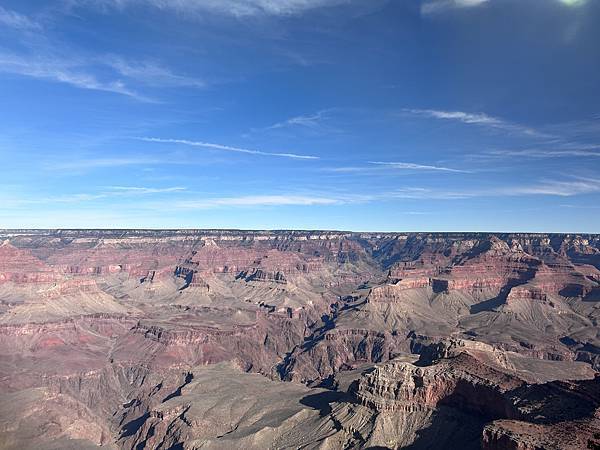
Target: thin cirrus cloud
(578, 186)
(235, 8)
(548, 188)
(573, 186)
(17, 21)
(136, 190)
(100, 163)
(227, 148)
(79, 71)
(45, 58)
(63, 71)
(479, 119)
(376, 168)
(542, 154)
(150, 73)
(413, 166)
(257, 200)
(407, 193)
(437, 6)
(573, 2)
(307, 120)
(552, 188)
(108, 192)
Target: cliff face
(497, 407)
(108, 323)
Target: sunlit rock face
(285, 339)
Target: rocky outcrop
(263, 275)
(462, 382)
(557, 415)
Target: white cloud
(257, 200)
(135, 190)
(63, 71)
(347, 169)
(308, 120)
(226, 148)
(557, 188)
(15, 20)
(150, 73)
(573, 2)
(413, 193)
(104, 193)
(67, 198)
(435, 6)
(480, 119)
(317, 200)
(413, 166)
(80, 71)
(100, 163)
(541, 153)
(561, 188)
(467, 3)
(236, 8)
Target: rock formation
(286, 339)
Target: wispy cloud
(413, 166)
(235, 8)
(309, 121)
(376, 168)
(552, 188)
(542, 153)
(347, 169)
(257, 200)
(63, 71)
(418, 193)
(136, 190)
(436, 6)
(66, 198)
(108, 192)
(47, 60)
(316, 199)
(556, 188)
(150, 73)
(573, 2)
(18, 21)
(583, 129)
(580, 206)
(226, 148)
(320, 122)
(99, 163)
(480, 119)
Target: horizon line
(293, 230)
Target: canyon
(202, 339)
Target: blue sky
(398, 115)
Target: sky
(363, 115)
